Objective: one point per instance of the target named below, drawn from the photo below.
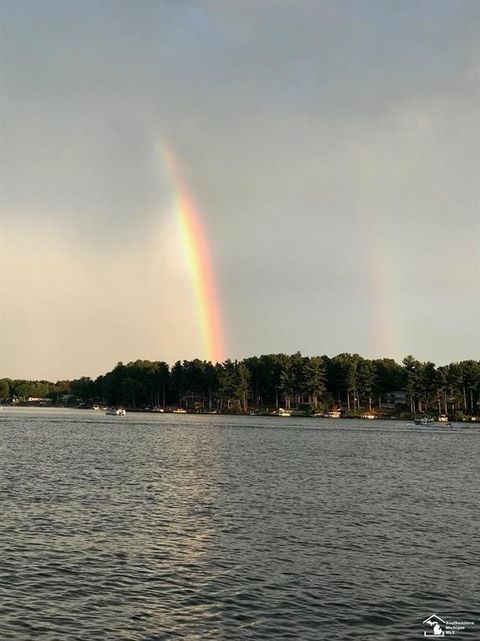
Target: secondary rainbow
(372, 199)
(199, 261)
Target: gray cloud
(323, 142)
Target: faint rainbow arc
(198, 258)
(372, 198)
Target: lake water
(214, 528)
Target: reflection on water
(153, 527)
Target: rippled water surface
(159, 527)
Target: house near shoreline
(390, 400)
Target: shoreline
(252, 414)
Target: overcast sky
(331, 147)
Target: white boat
(443, 418)
(282, 412)
(115, 412)
(423, 420)
(368, 415)
(333, 414)
(179, 410)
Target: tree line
(309, 383)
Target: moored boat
(112, 411)
(423, 420)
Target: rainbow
(384, 281)
(198, 258)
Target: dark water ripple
(152, 528)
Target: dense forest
(310, 384)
